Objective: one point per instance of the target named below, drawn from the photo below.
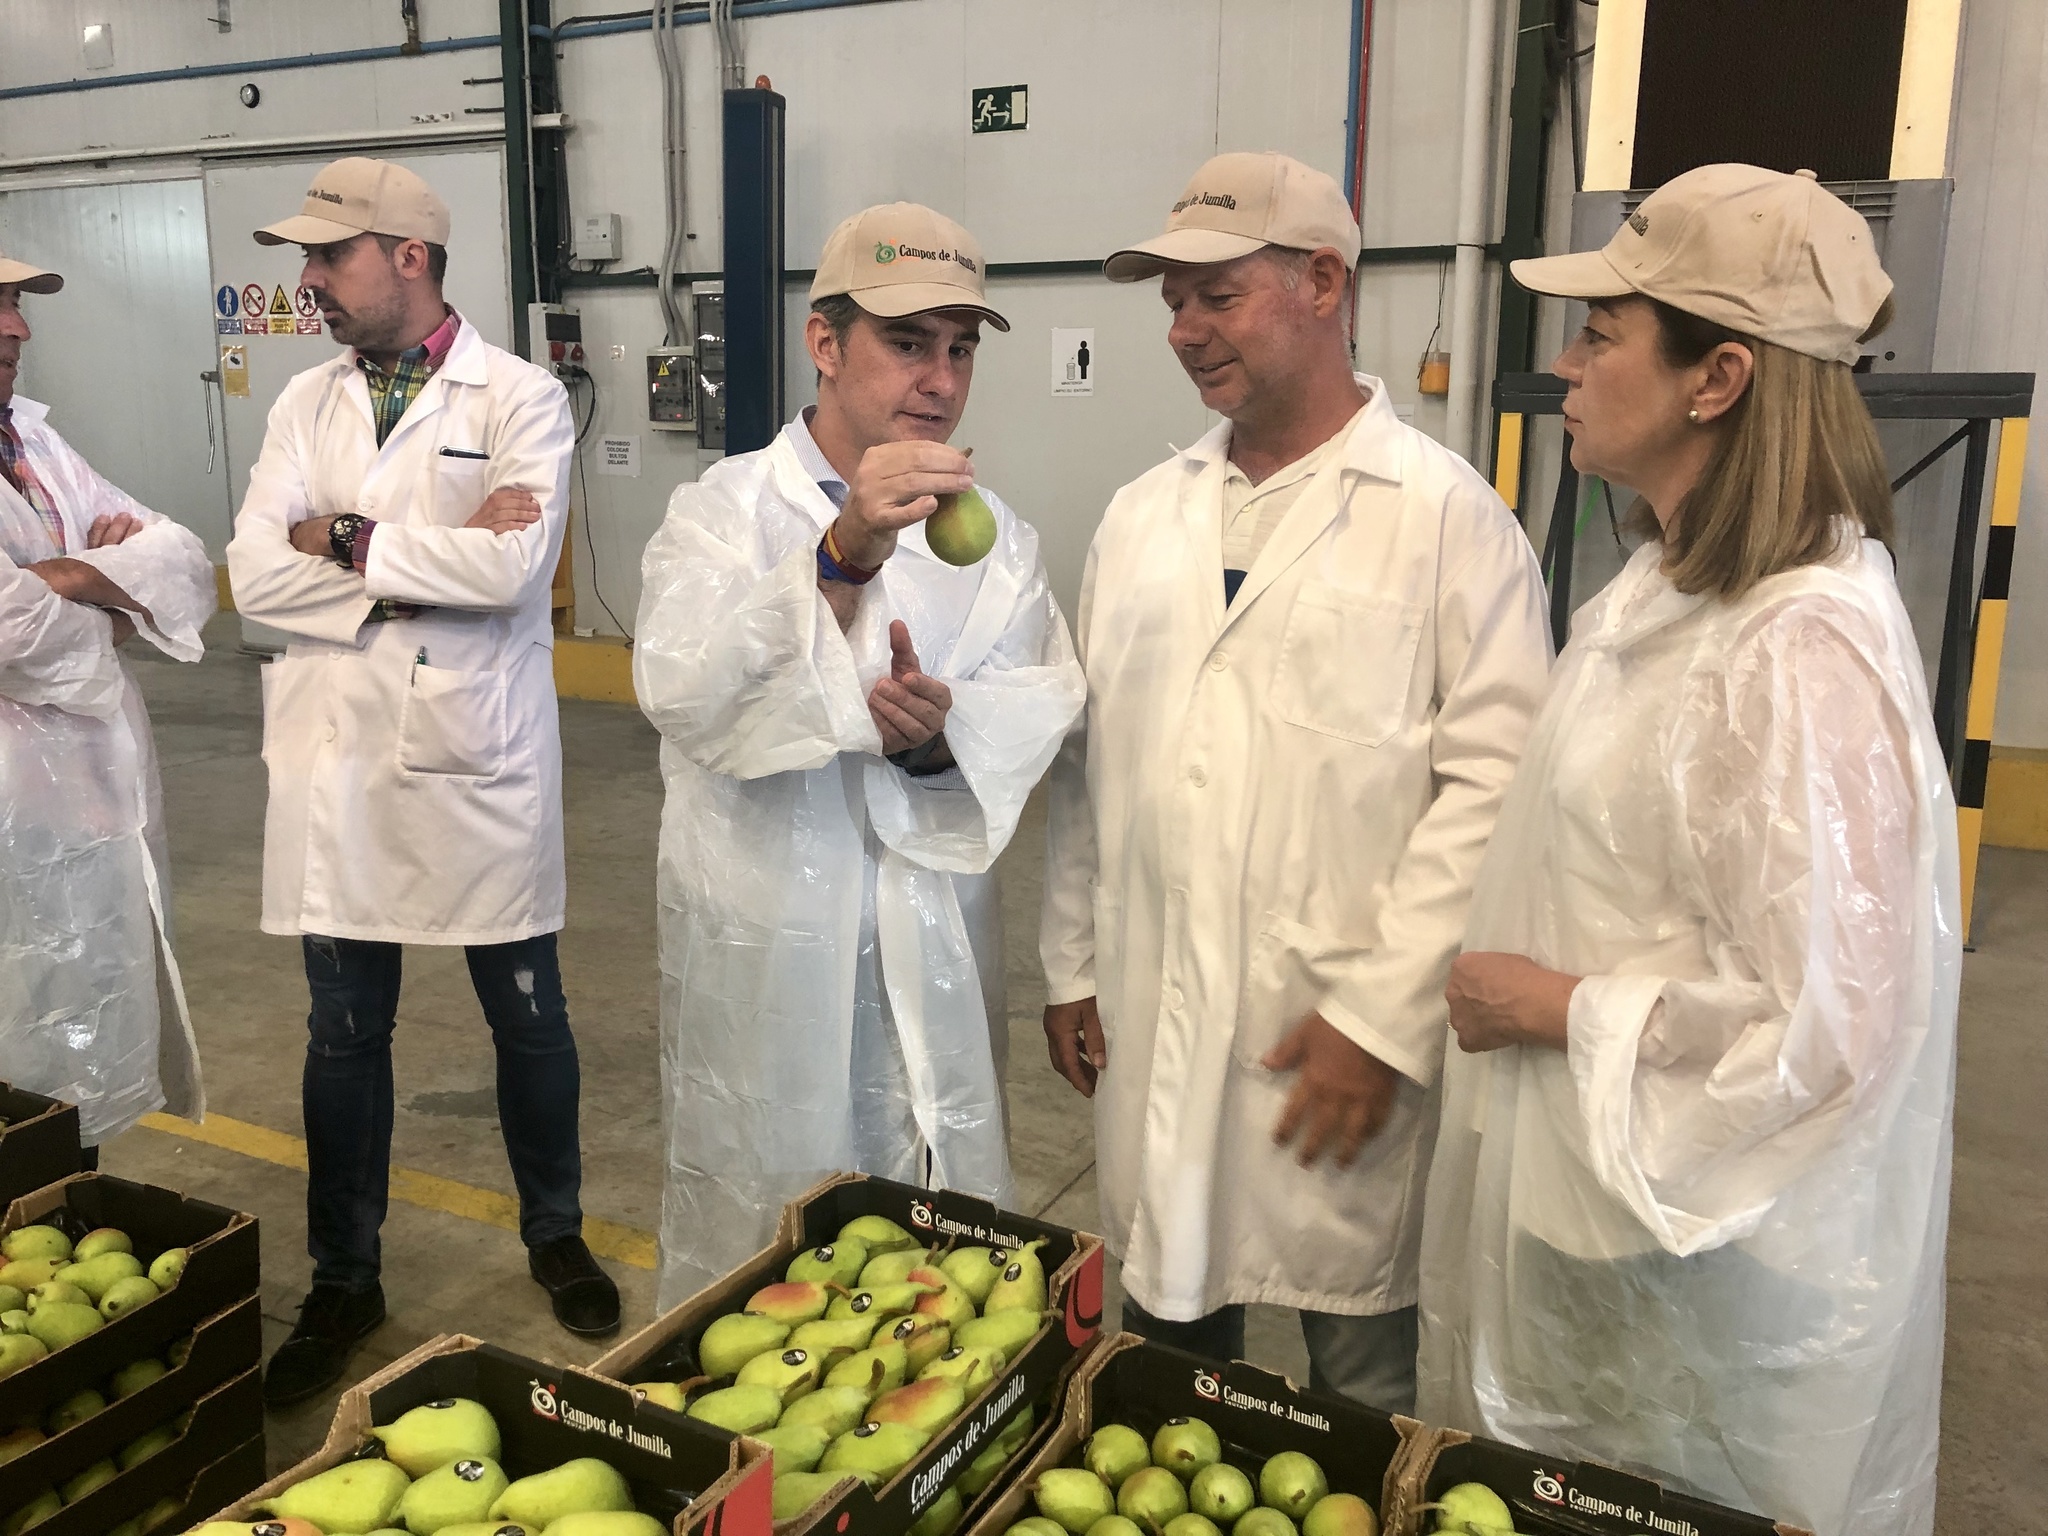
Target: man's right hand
(506, 510)
(897, 484)
(1073, 1034)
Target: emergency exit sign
(1000, 108)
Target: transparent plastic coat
(83, 887)
(830, 946)
(1705, 1242)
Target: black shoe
(585, 1299)
(332, 1322)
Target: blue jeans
(346, 1094)
(1370, 1360)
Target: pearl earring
(1693, 417)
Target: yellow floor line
(607, 1239)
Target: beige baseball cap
(358, 196)
(1773, 256)
(1238, 203)
(19, 274)
(899, 259)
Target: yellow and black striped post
(1983, 705)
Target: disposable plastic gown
(830, 946)
(83, 893)
(1705, 1242)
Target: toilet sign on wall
(1073, 361)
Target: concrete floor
(443, 1273)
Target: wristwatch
(341, 537)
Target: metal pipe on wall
(1475, 207)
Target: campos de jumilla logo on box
(1213, 1388)
(548, 1403)
(1553, 1490)
(928, 1218)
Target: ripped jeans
(347, 1094)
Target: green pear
(984, 1469)
(731, 1341)
(1473, 1509)
(57, 1290)
(75, 1409)
(892, 1268)
(945, 1302)
(19, 1442)
(876, 1302)
(1190, 1524)
(1341, 1514)
(179, 1352)
(859, 1370)
(483, 1528)
(791, 1301)
(788, 1375)
(93, 1276)
(835, 1410)
(58, 1323)
(1263, 1522)
(837, 1264)
(880, 1450)
(436, 1433)
(944, 1517)
(797, 1447)
(98, 1475)
(972, 1368)
(923, 1339)
(1221, 1493)
(975, 1270)
(607, 1522)
(14, 1322)
(570, 1489)
(830, 1336)
(35, 1243)
(742, 1410)
(1035, 1525)
(926, 1406)
(13, 1299)
(1151, 1496)
(1021, 1286)
(162, 1512)
(125, 1296)
(1115, 1525)
(21, 1349)
(101, 1240)
(461, 1492)
(1185, 1446)
(1292, 1483)
(963, 530)
(135, 1375)
(795, 1492)
(1073, 1498)
(140, 1449)
(354, 1496)
(25, 1275)
(663, 1394)
(166, 1269)
(1114, 1451)
(878, 1233)
(35, 1512)
(1011, 1436)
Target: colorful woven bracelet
(834, 566)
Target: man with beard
(403, 526)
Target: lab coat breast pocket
(460, 486)
(1346, 659)
(452, 724)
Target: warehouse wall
(1126, 100)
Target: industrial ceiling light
(251, 94)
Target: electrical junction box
(671, 389)
(597, 237)
(554, 337)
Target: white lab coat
(830, 941)
(415, 764)
(84, 881)
(1281, 811)
(1705, 1242)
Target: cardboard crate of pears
(891, 1345)
(1464, 1486)
(100, 1273)
(210, 1452)
(462, 1437)
(38, 1141)
(1153, 1440)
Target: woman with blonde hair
(1690, 1195)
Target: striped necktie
(21, 475)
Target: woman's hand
(1501, 1000)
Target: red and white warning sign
(253, 321)
(308, 311)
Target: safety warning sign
(234, 371)
(227, 307)
(308, 312)
(253, 322)
(282, 321)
